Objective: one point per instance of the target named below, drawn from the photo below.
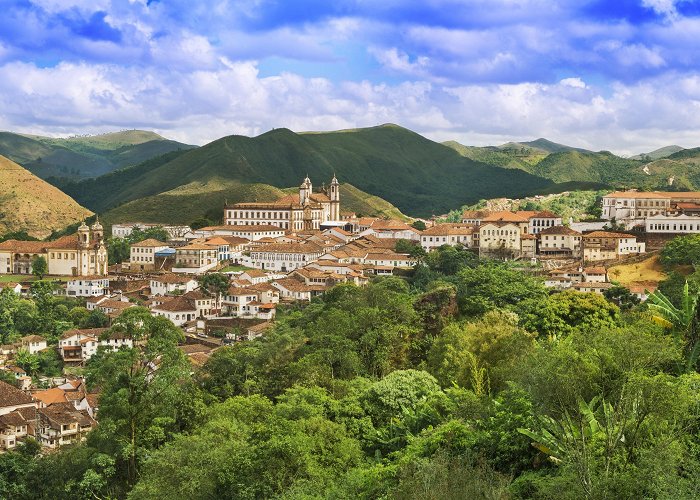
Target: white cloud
(203, 105)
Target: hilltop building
(80, 254)
(633, 207)
(305, 211)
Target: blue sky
(621, 75)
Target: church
(80, 254)
(305, 211)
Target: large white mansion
(297, 212)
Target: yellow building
(79, 254)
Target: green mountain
(515, 157)
(657, 154)
(540, 145)
(189, 202)
(418, 176)
(81, 157)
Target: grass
(234, 269)
(16, 278)
(646, 270)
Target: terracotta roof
(217, 240)
(150, 243)
(14, 418)
(295, 285)
(89, 332)
(19, 246)
(608, 234)
(51, 396)
(33, 338)
(290, 248)
(254, 273)
(196, 295)
(195, 246)
(176, 304)
(172, 279)
(115, 304)
(257, 228)
(505, 216)
(560, 230)
(65, 413)
(650, 194)
(11, 396)
(595, 270)
(448, 230)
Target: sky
(617, 75)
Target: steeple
(97, 230)
(334, 195)
(84, 235)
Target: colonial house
(195, 258)
(80, 254)
(125, 230)
(172, 283)
(560, 241)
(296, 289)
(501, 239)
(143, 254)
(284, 256)
(594, 287)
(33, 343)
(605, 245)
(672, 224)
(17, 415)
(185, 308)
(62, 424)
(87, 286)
(79, 345)
(632, 207)
(447, 234)
(249, 232)
(255, 276)
(298, 212)
(389, 228)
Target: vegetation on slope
(30, 204)
(419, 176)
(196, 200)
(89, 156)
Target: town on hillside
(225, 284)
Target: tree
(418, 224)
(493, 286)
(622, 297)
(681, 250)
(156, 233)
(682, 321)
(28, 362)
(140, 389)
(215, 284)
(39, 266)
(118, 250)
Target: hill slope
(419, 176)
(80, 157)
(30, 204)
(657, 154)
(187, 203)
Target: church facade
(305, 211)
(80, 254)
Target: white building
(560, 241)
(195, 258)
(298, 212)
(447, 234)
(33, 343)
(284, 256)
(672, 224)
(143, 254)
(172, 283)
(125, 230)
(87, 286)
(250, 232)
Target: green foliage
(562, 313)
(432, 179)
(39, 266)
(495, 286)
(681, 250)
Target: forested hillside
(467, 379)
(86, 156)
(418, 176)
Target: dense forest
(466, 379)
